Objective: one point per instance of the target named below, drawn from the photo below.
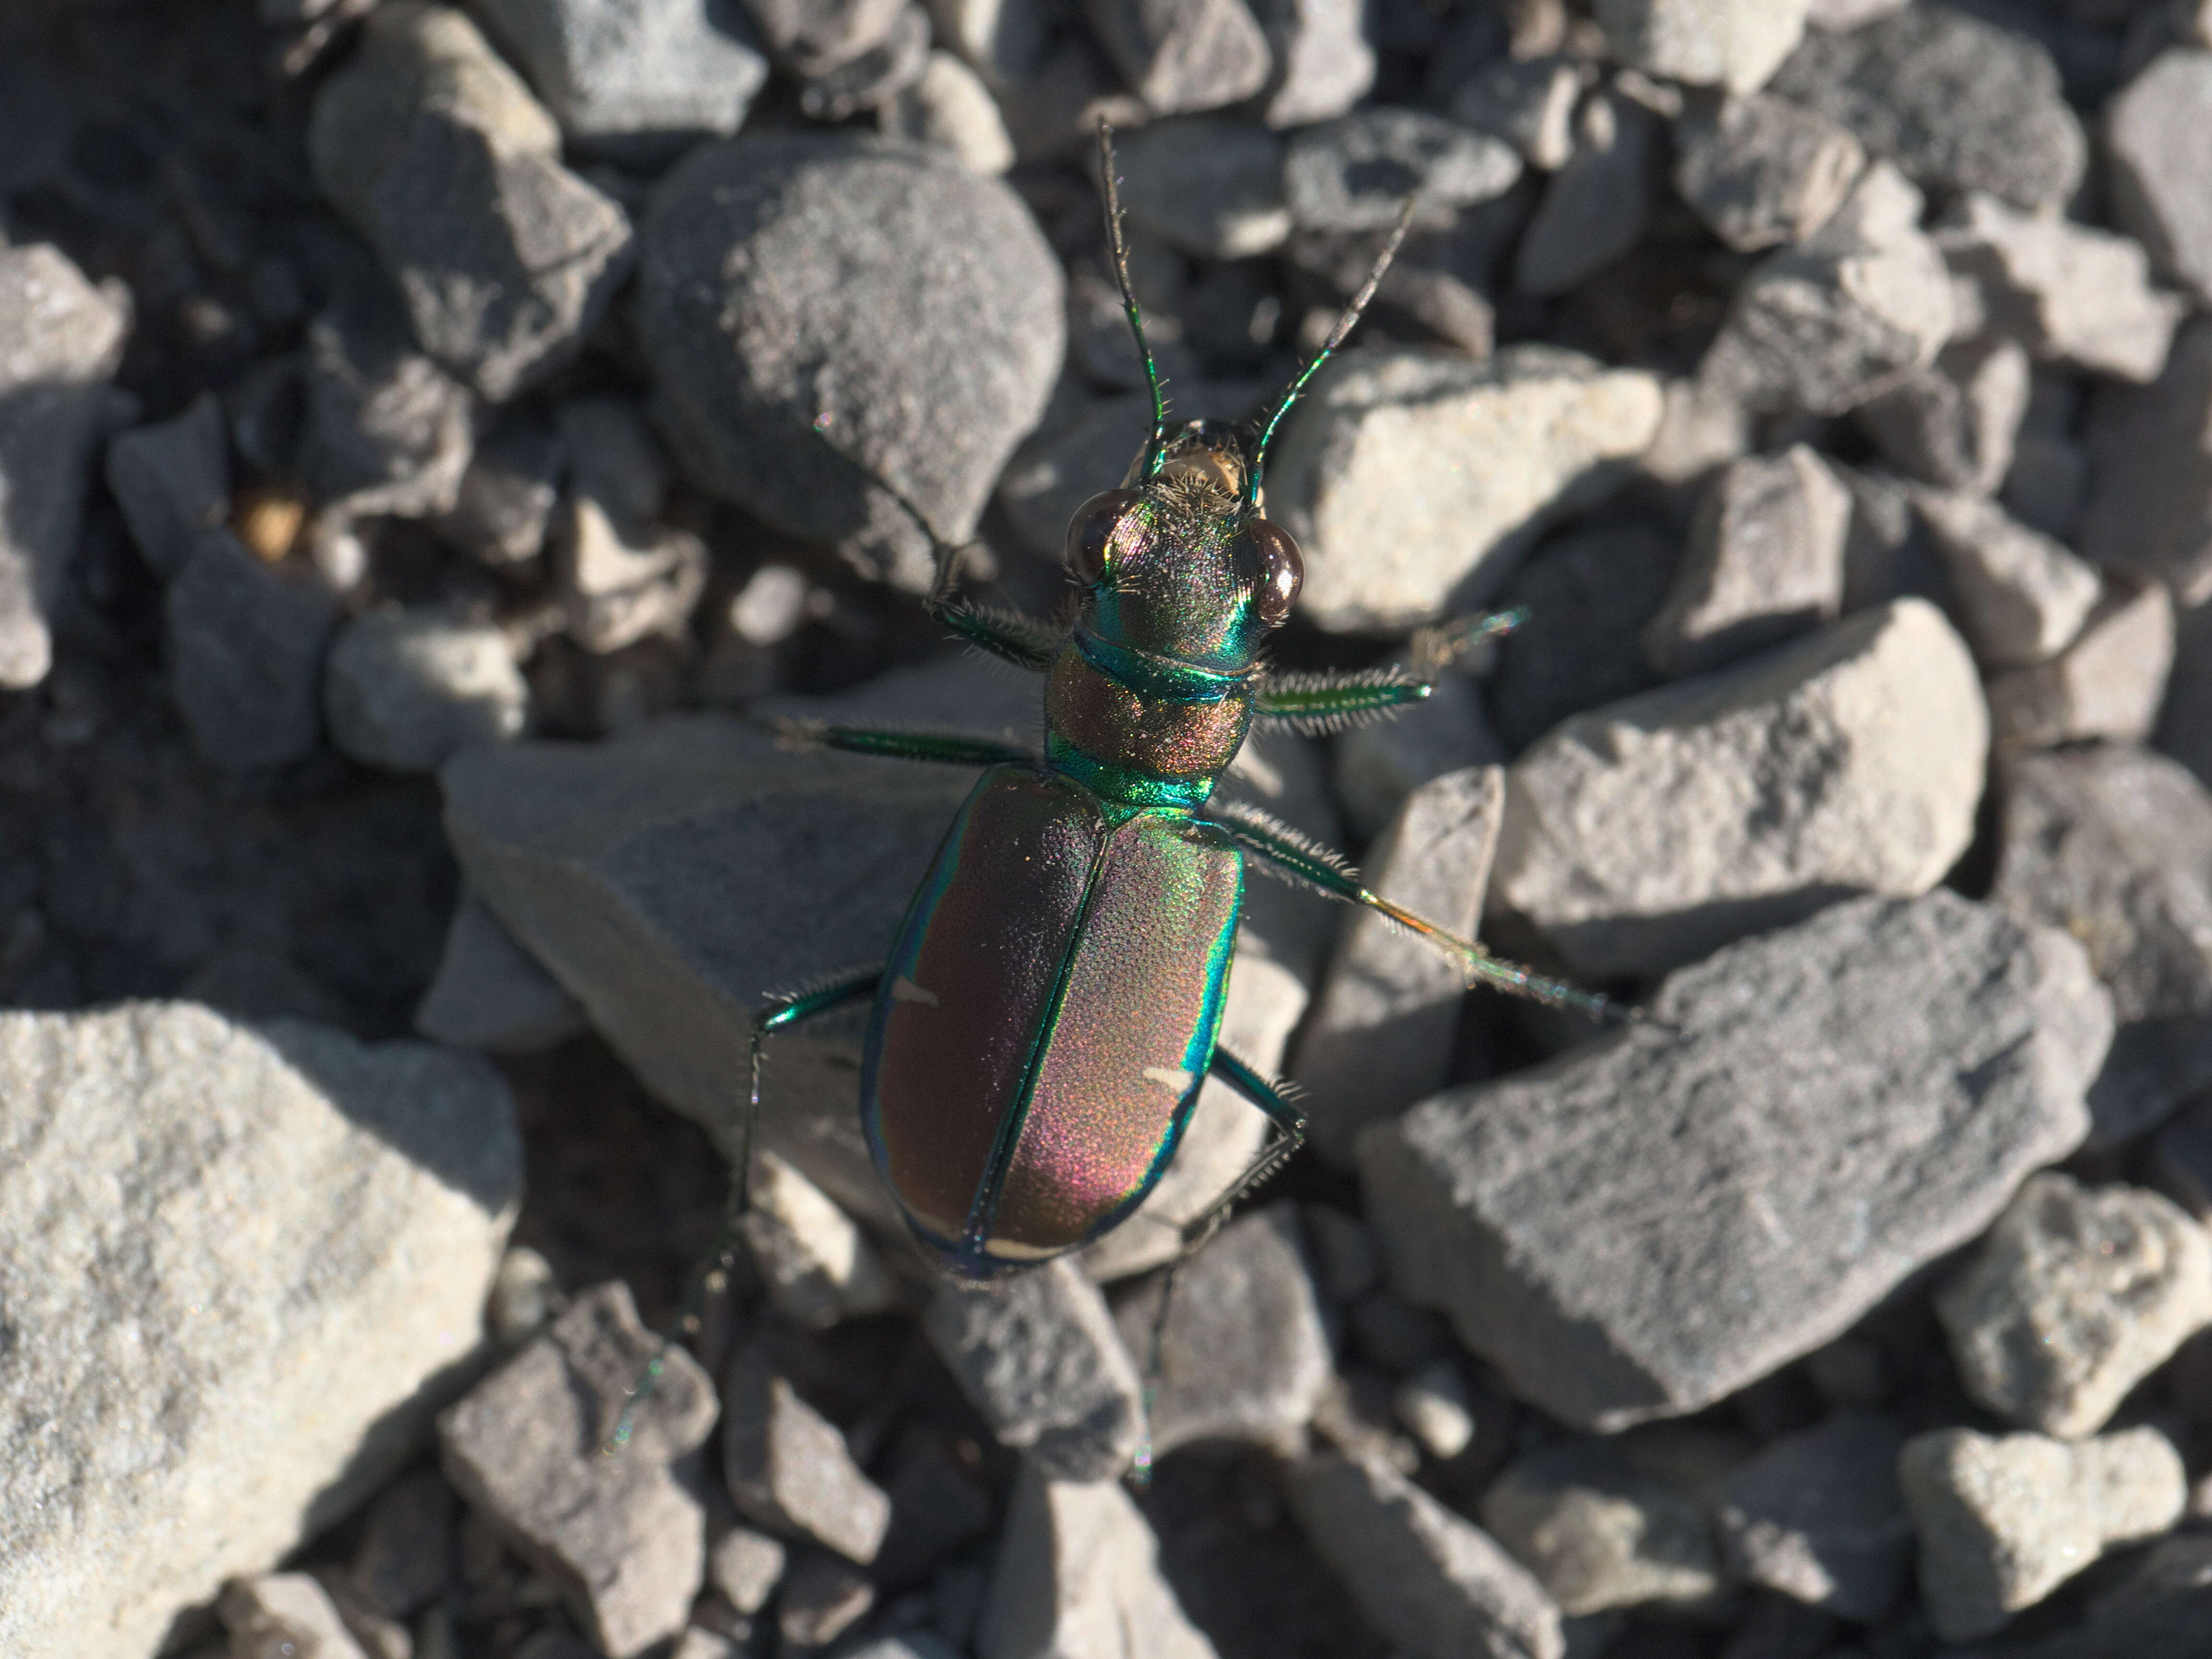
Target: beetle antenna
(1345, 324)
(1118, 242)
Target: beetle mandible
(1038, 1035)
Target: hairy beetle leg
(1319, 704)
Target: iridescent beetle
(1040, 1032)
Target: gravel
(172, 479)
(2108, 684)
(1596, 207)
(246, 646)
(1208, 185)
(1180, 55)
(2150, 471)
(789, 1467)
(1598, 1534)
(1819, 1516)
(490, 994)
(1355, 174)
(1763, 173)
(1737, 44)
(2022, 597)
(1955, 424)
(2160, 164)
(410, 689)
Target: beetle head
(1179, 568)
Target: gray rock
(490, 994)
(949, 105)
(1889, 554)
(1342, 1252)
(2075, 1298)
(1077, 1571)
(388, 431)
(1244, 1354)
(1180, 55)
(1206, 185)
(1356, 173)
(743, 1566)
(1960, 104)
(1764, 563)
(813, 37)
(61, 339)
(2065, 291)
(2181, 1159)
(1761, 172)
(1382, 1029)
(2022, 597)
(821, 1598)
(1838, 15)
(1374, 768)
(621, 1532)
(245, 647)
(1808, 1117)
(1527, 102)
(876, 76)
(2185, 724)
(1368, 473)
(788, 1466)
(907, 1644)
(525, 1297)
(434, 151)
(1954, 424)
(2108, 684)
(2114, 845)
(1819, 1516)
(1736, 44)
(2048, 484)
(2150, 471)
(1645, 834)
(818, 1268)
(1596, 207)
(2161, 167)
(2004, 1521)
(637, 80)
(284, 1615)
(293, 1383)
(1437, 1585)
(1589, 594)
(1599, 1533)
(1039, 1357)
(408, 689)
(1847, 314)
(1006, 41)
(1324, 64)
(619, 579)
(405, 1558)
(500, 512)
(1436, 1408)
(901, 322)
(173, 481)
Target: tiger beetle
(1038, 1036)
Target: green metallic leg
(1270, 1098)
(780, 1014)
(946, 748)
(1290, 854)
(1318, 704)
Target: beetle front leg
(1319, 704)
(946, 747)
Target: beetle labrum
(1038, 1036)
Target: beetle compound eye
(1090, 533)
(1282, 572)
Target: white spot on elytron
(1174, 1079)
(905, 990)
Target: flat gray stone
(818, 1266)
(1382, 1029)
(1245, 1354)
(1355, 173)
(2005, 1520)
(637, 80)
(1040, 1358)
(1763, 173)
(1206, 185)
(490, 994)
(1077, 1572)
(435, 152)
(2069, 293)
(1657, 1219)
(172, 479)
(789, 1467)
(1953, 424)
(1181, 56)
(388, 431)
(1589, 593)
(2114, 845)
(2108, 684)
(1373, 768)
(1527, 102)
(1764, 562)
(949, 105)
(1736, 44)
(2160, 165)
(61, 340)
(1366, 472)
(1958, 103)
(2022, 597)
(1845, 315)
(1597, 205)
(2150, 471)
(899, 321)
(294, 1383)
(621, 1533)
(244, 647)
(1819, 1516)
(1644, 835)
(1599, 1533)
(2075, 1298)
(1323, 63)
(408, 689)
(1428, 1580)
